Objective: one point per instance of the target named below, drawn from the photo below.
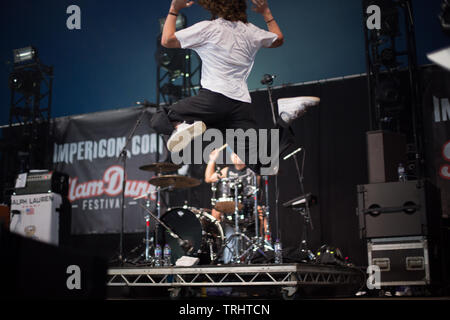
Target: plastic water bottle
(158, 255)
(401, 173)
(167, 255)
(278, 252)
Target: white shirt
(228, 51)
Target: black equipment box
(44, 182)
(394, 209)
(402, 261)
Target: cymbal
(175, 181)
(160, 167)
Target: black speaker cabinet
(393, 209)
(385, 151)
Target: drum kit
(195, 232)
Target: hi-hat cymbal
(174, 181)
(160, 167)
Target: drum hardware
(267, 233)
(239, 244)
(169, 182)
(147, 240)
(162, 183)
(185, 244)
(258, 244)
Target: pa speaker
(385, 151)
(395, 209)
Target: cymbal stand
(258, 244)
(147, 232)
(267, 233)
(148, 241)
(235, 242)
(252, 245)
(255, 210)
(237, 233)
(158, 210)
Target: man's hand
(177, 5)
(261, 6)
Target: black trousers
(219, 112)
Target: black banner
(437, 127)
(87, 148)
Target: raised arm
(262, 7)
(210, 172)
(168, 38)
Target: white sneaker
(184, 134)
(290, 109)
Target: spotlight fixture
(172, 60)
(388, 58)
(24, 54)
(388, 93)
(180, 24)
(25, 81)
(173, 91)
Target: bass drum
(198, 227)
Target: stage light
(180, 24)
(172, 60)
(388, 58)
(24, 54)
(388, 93)
(171, 90)
(25, 81)
(389, 21)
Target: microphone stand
(268, 82)
(123, 156)
(305, 213)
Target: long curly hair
(232, 10)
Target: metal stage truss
(285, 275)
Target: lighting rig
(394, 95)
(178, 70)
(27, 140)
